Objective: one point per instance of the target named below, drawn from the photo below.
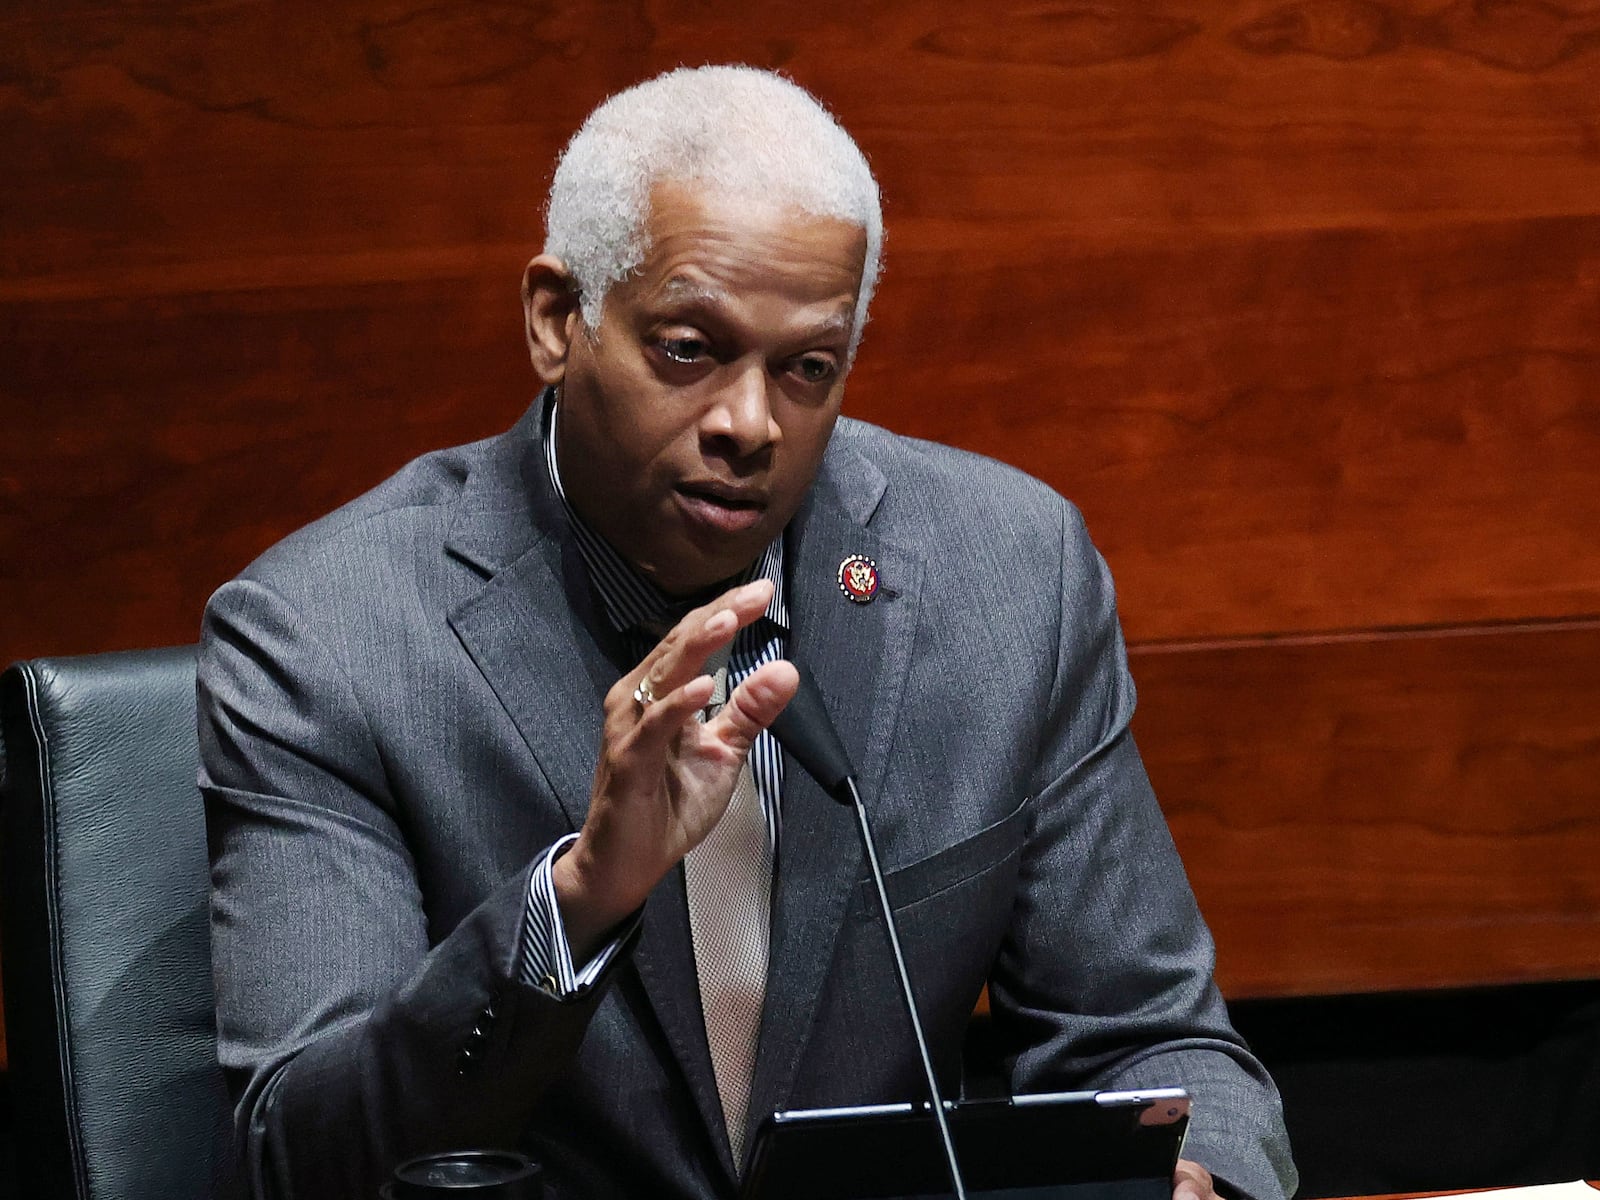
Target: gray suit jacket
(400, 707)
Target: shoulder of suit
(421, 491)
(976, 522)
(923, 471)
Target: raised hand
(1191, 1181)
(664, 778)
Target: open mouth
(722, 499)
(722, 508)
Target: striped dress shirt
(633, 606)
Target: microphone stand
(871, 848)
(807, 732)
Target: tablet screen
(1060, 1146)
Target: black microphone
(806, 731)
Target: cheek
(808, 430)
(623, 408)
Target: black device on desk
(1057, 1146)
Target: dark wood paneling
(183, 435)
(1379, 813)
(1242, 474)
(1246, 280)
(182, 131)
(1304, 431)
(1300, 299)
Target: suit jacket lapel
(531, 627)
(534, 631)
(859, 655)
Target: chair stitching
(80, 1167)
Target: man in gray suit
(502, 851)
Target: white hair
(738, 129)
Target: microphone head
(806, 731)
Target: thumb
(755, 704)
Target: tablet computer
(1055, 1146)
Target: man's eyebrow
(691, 292)
(841, 321)
(681, 290)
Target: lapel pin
(858, 578)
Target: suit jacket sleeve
(350, 1039)
(1133, 1005)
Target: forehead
(707, 246)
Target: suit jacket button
(464, 1060)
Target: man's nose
(741, 415)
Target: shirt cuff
(546, 956)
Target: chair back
(104, 932)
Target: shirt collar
(628, 599)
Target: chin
(706, 574)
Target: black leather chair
(103, 927)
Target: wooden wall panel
(1302, 263)
(1243, 475)
(1364, 813)
(186, 433)
(1302, 431)
(1299, 299)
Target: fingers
(682, 654)
(662, 720)
(755, 704)
(1191, 1181)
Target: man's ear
(551, 316)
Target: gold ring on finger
(643, 695)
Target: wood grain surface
(1377, 812)
(1300, 301)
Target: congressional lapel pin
(858, 578)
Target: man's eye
(683, 349)
(814, 369)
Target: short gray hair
(736, 128)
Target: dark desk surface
(1427, 1195)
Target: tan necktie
(728, 878)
